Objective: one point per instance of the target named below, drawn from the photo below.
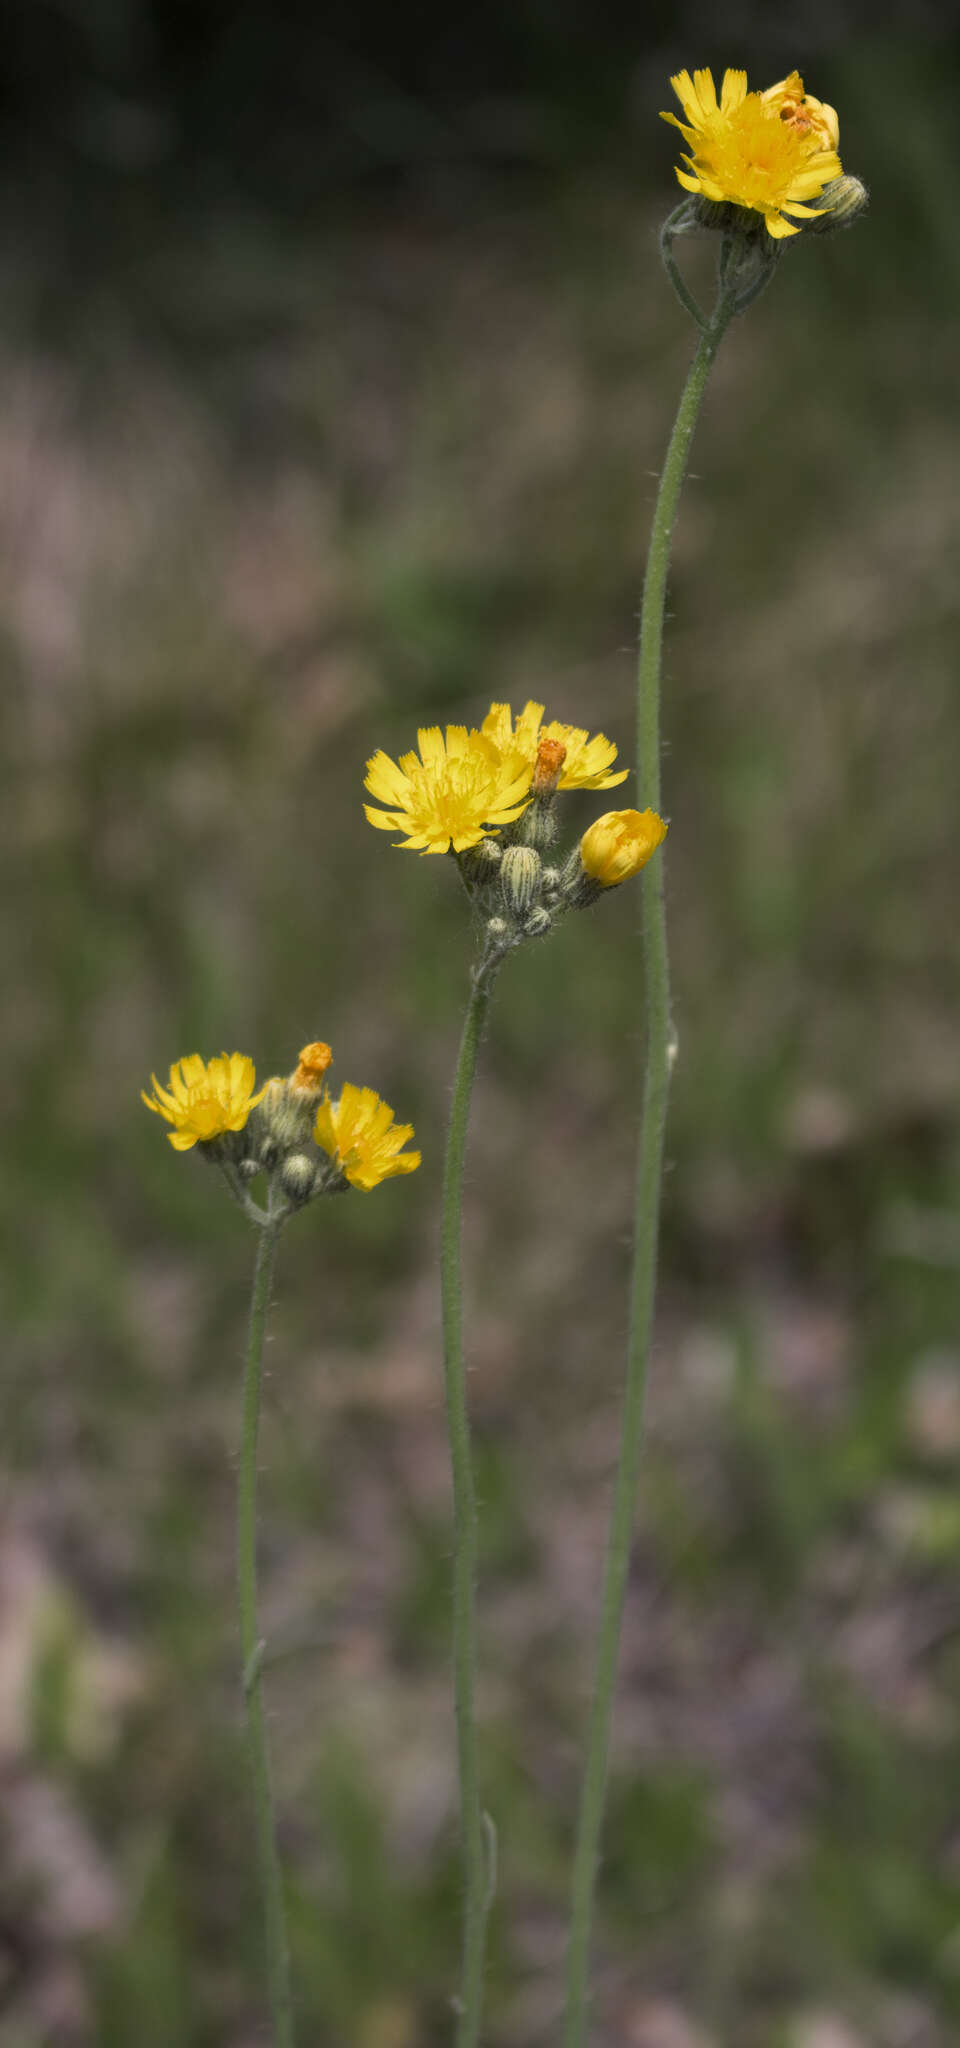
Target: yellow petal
(706, 92)
(789, 88)
(385, 780)
(430, 743)
(683, 86)
(167, 1103)
(529, 722)
(324, 1129)
(689, 134)
(778, 227)
(385, 821)
(733, 91)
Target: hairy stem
(476, 1861)
(278, 1961)
(656, 1085)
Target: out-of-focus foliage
(277, 482)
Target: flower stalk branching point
(289, 1132)
(761, 170)
(488, 797)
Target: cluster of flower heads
(291, 1129)
(487, 796)
(769, 153)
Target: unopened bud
(273, 1100)
(615, 847)
(297, 1176)
(481, 863)
(248, 1169)
(842, 202)
(520, 873)
(538, 924)
(538, 826)
(283, 1121)
(724, 217)
(497, 929)
(277, 1123)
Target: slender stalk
(475, 1859)
(659, 1057)
(278, 1961)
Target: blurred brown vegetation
(274, 489)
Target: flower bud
(481, 863)
(520, 873)
(538, 924)
(276, 1125)
(248, 1169)
(724, 217)
(284, 1118)
(297, 1177)
(615, 847)
(497, 929)
(842, 202)
(619, 844)
(538, 826)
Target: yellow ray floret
(358, 1131)
(458, 789)
(619, 844)
(769, 151)
(205, 1098)
(587, 761)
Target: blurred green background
(337, 366)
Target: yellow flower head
(205, 1098)
(587, 762)
(450, 794)
(619, 844)
(768, 151)
(358, 1131)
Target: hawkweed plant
(293, 1136)
(487, 799)
(760, 168)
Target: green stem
(649, 1167)
(475, 1859)
(278, 1961)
